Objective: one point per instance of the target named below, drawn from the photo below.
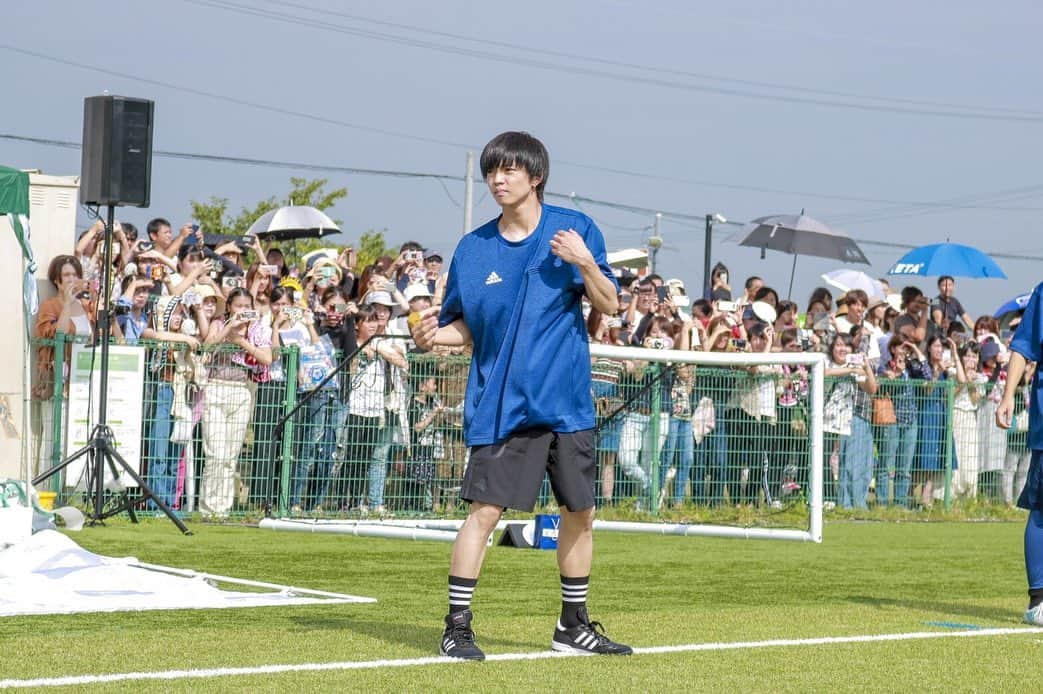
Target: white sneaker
(829, 505)
(1035, 615)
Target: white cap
(416, 290)
(380, 298)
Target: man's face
(755, 287)
(856, 311)
(163, 236)
(510, 185)
(433, 266)
(946, 288)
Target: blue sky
(900, 123)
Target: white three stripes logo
(493, 278)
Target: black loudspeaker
(116, 168)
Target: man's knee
(578, 521)
(484, 516)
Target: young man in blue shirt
(514, 291)
(1027, 346)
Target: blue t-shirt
(1028, 342)
(522, 304)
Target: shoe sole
(442, 653)
(565, 648)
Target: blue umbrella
(947, 259)
(1018, 303)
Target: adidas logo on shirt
(493, 278)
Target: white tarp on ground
(50, 574)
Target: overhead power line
(644, 176)
(525, 58)
(655, 69)
(687, 219)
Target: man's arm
(569, 246)
(428, 334)
(1015, 372)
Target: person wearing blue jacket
(514, 291)
(1027, 346)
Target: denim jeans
(898, 447)
(163, 454)
(677, 451)
(378, 464)
(711, 457)
(315, 446)
(856, 464)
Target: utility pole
(706, 256)
(655, 242)
(468, 192)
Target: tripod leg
(51, 472)
(146, 491)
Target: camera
(232, 282)
(727, 306)
(414, 256)
(248, 314)
(294, 313)
(657, 343)
(340, 308)
(270, 270)
(83, 295)
(856, 359)
(738, 344)
(191, 298)
(158, 271)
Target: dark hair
(945, 277)
(840, 337)
(702, 307)
(988, 323)
(955, 327)
(279, 292)
(364, 312)
(751, 279)
(235, 294)
(410, 246)
(927, 346)
(154, 225)
(764, 292)
(130, 231)
(857, 295)
(969, 348)
(332, 292)
(54, 270)
(652, 277)
(758, 330)
(517, 149)
(186, 251)
(910, 294)
(823, 296)
(789, 335)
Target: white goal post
(817, 369)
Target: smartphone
(615, 322)
(159, 271)
(738, 344)
(624, 300)
(415, 256)
(247, 239)
(191, 298)
(145, 246)
(327, 272)
(661, 293)
(248, 314)
(294, 313)
(727, 306)
(340, 308)
(270, 270)
(856, 359)
(232, 282)
(947, 355)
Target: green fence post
(949, 411)
(57, 398)
(655, 421)
(290, 359)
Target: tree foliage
(215, 218)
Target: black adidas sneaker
(458, 638)
(588, 637)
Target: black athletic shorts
(510, 473)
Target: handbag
(884, 411)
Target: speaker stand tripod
(100, 450)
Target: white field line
(539, 655)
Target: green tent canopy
(14, 202)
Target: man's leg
(575, 554)
(464, 566)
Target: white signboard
(125, 406)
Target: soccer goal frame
(816, 364)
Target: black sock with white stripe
(461, 590)
(573, 599)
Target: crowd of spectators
(219, 321)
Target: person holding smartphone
(242, 356)
(847, 419)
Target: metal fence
(378, 440)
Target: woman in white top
(966, 400)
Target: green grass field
(866, 578)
